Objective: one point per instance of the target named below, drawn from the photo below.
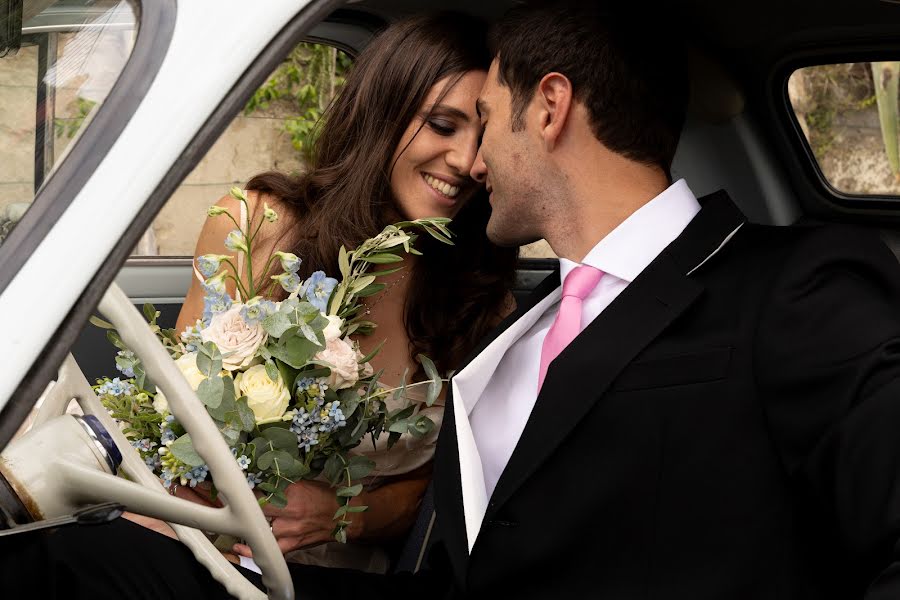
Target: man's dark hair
(628, 70)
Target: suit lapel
(451, 455)
(661, 293)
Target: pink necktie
(580, 282)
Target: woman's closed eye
(442, 126)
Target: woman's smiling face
(430, 176)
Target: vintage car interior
(758, 127)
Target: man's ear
(554, 96)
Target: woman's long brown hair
(455, 293)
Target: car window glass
(58, 62)
(848, 114)
(273, 132)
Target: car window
(848, 115)
(58, 62)
(274, 131)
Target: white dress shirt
(498, 389)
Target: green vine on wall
(307, 81)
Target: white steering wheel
(240, 516)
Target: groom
(694, 407)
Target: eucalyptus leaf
(231, 429)
(400, 426)
(295, 351)
(278, 500)
(359, 467)
(267, 460)
(435, 385)
(349, 492)
(421, 426)
(307, 311)
(333, 469)
(276, 324)
(310, 334)
(183, 450)
(282, 439)
(210, 391)
(227, 403)
(293, 470)
(271, 370)
(392, 439)
(248, 419)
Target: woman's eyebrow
(450, 111)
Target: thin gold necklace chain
(385, 293)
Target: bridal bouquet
(290, 392)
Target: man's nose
(478, 172)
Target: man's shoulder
(809, 237)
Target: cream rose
(333, 329)
(345, 366)
(266, 398)
(160, 402)
(237, 340)
(187, 364)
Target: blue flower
(116, 387)
(208, 264)
(253, 479)
(289, 262)
(289, 281)
(195, 476)
(235, 240)
(153, 461)
(243, 462)
(191, 338)
(145, 445)
(256, 310)
(319, 288)
(314, 388)
(125, 360)
(213, 305)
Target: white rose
(266, 398)
(236, 339)
(187, 364)
(333, 329)
(160, 402)
(345, 366)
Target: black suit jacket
(728, 428)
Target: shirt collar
(638, 240)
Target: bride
(397, 144)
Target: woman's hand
(305, 521)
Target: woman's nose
(462, 155)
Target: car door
(178, 88)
